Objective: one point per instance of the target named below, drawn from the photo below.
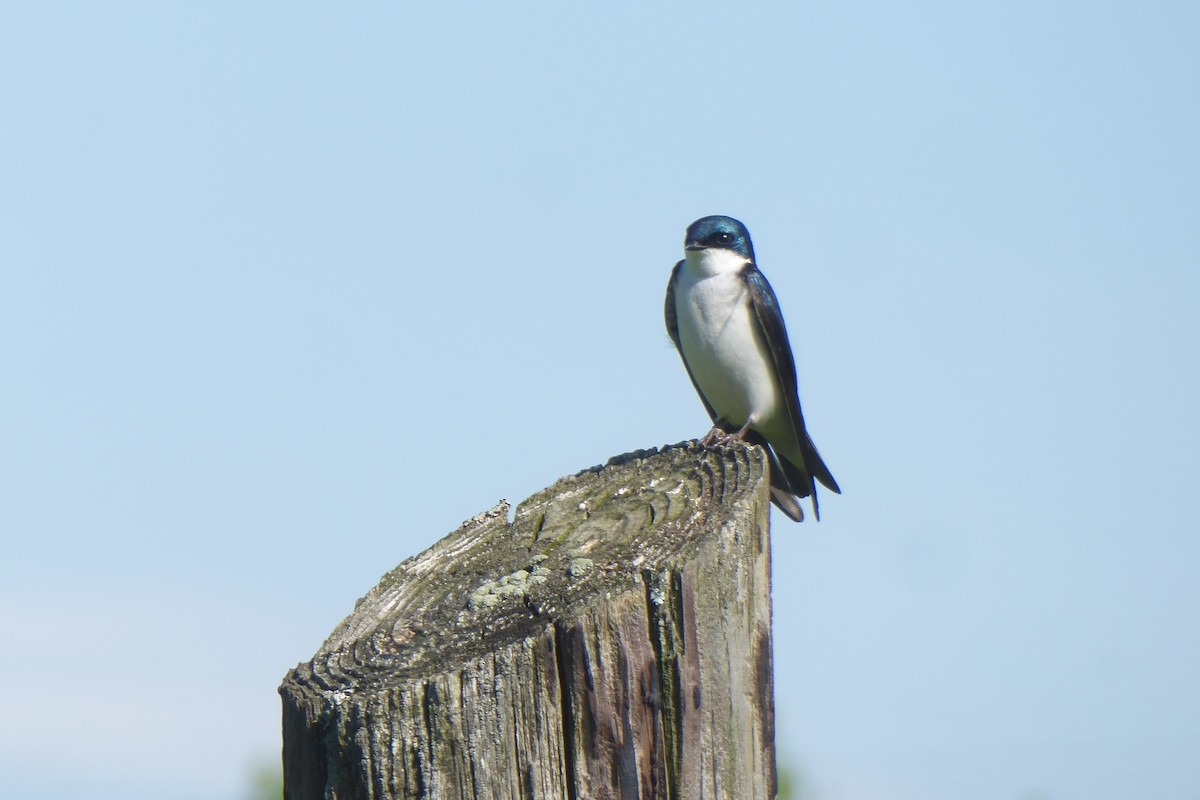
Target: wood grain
(612, 641)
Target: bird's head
(718, 233)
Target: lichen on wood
(612, 641)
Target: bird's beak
(694, 246)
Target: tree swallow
(725, 321)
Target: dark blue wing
(770, 321)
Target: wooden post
(612, 641)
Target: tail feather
(784, 492)
(787, 503)
(793, 481)
(812, 459)
(802, 484)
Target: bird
(725, 321)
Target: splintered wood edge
(491, 582)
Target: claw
(741, 432)
(714, 436)
(719, 435)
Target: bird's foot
(740, 433)
(719, 435)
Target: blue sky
(287, 291)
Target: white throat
(714, 261)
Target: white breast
(721, 342)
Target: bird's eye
(724, 237)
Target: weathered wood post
(612, 641)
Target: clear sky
(288, 290)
